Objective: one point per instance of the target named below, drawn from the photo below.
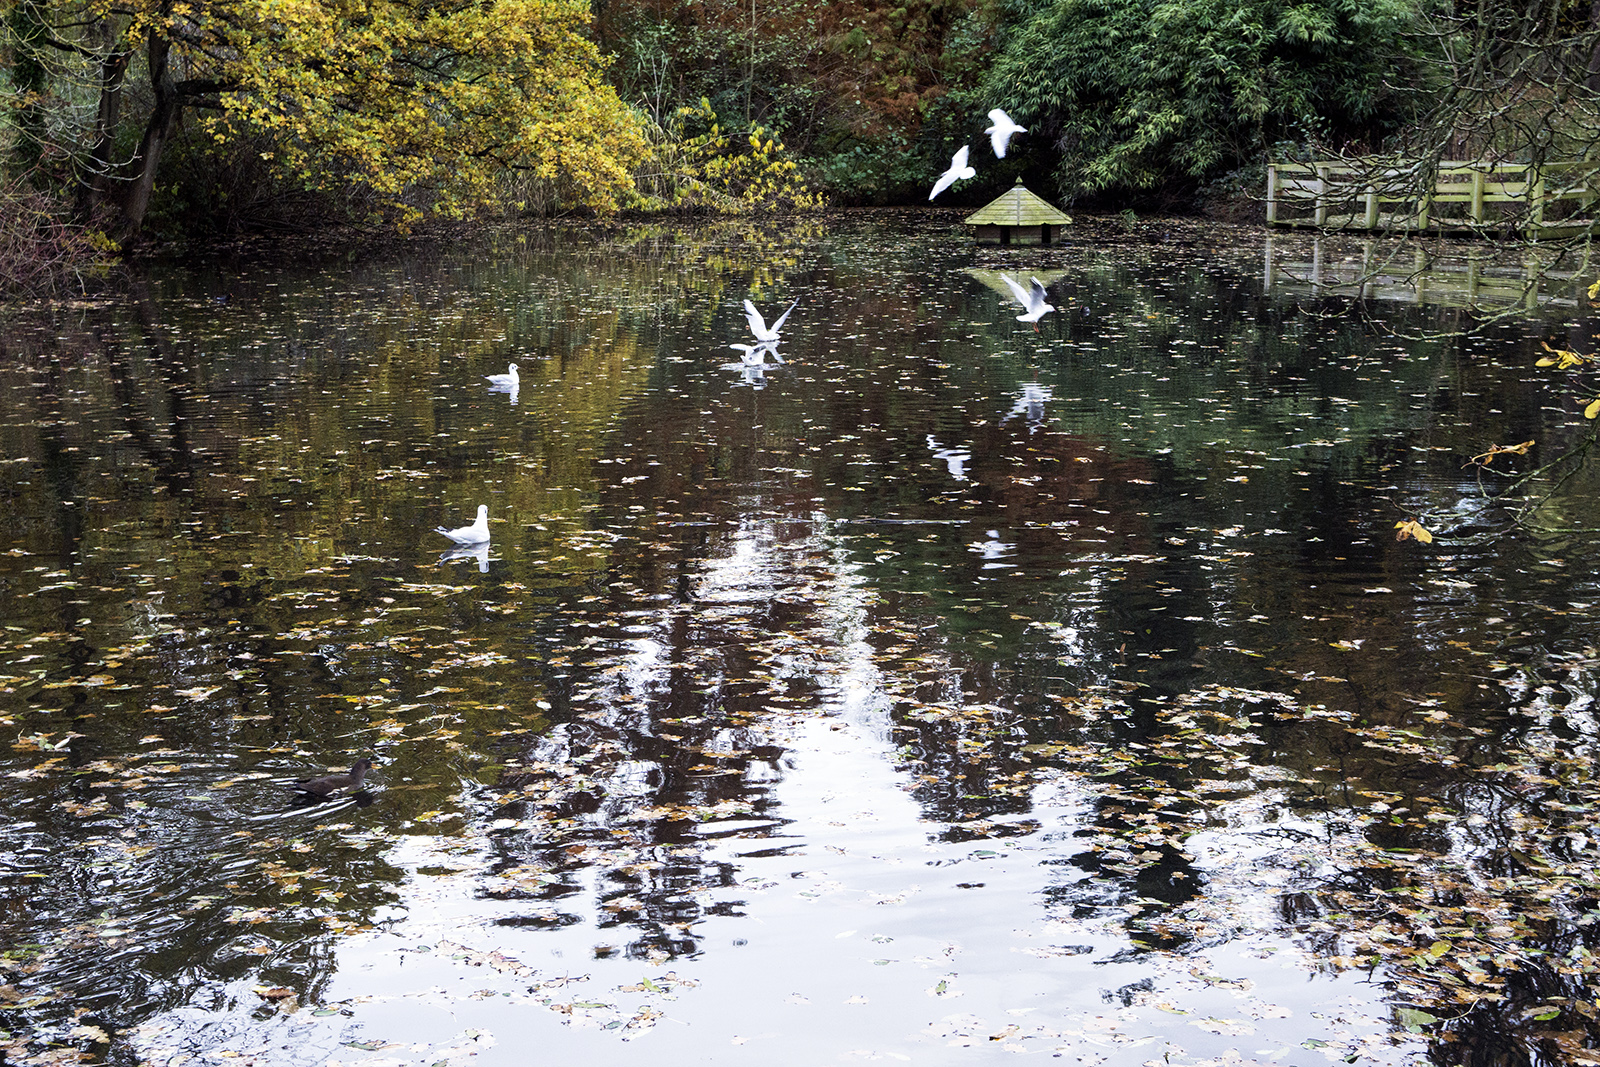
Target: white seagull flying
(758, 325)
(475, 534)
(1001, 131)
(958, 170)
(1032, 300)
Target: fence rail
(1543, 200)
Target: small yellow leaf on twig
(1593, 409)
(1561, 358)
(1482, 459)
(1412, 528)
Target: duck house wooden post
(1017, 217)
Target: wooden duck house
(1017, 217)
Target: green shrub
(1135, 95)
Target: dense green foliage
(1135, 95)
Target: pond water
(953, 691)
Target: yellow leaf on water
(1412, 528)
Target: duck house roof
(1017, 206)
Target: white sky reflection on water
(882, 945)
(848, 932)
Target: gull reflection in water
(752, 374)
(956, 458)
(993, 550)
(479, 552)
(1030, 405)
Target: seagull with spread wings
(958, 170)
(1034, 306)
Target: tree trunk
(146, 162)
(95, 180)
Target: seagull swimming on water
(758, 325)
(1032, 300)
(507, 380)
(1001, 131)
(477, 533)
(958, 170)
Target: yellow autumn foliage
(714, 171)
(427, 105)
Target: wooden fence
(1547, 200)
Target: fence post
(1372, 207)
(1321, 216)
(1475, 209)
(1272, 194)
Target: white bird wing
(477, 533)
(755, 355)
(1018, 291)
(1000, 133)
(958, 170)
(758, 325)
(1036, 297)
(782, 318)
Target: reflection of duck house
(1017, 217)
(991, 279)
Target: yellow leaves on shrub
(708, 171)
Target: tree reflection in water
(955, 688)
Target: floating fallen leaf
(274, 993)
(1412, 528)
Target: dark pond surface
(952, 692)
